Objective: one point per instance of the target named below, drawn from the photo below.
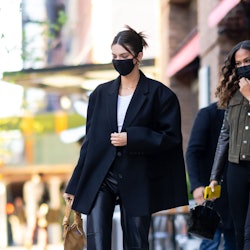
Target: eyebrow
(246, 58)
(122, 54)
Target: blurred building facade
(196, 37)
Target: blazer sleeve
(166, 132)
(75, 177)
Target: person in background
(199, 159)
(233, 145)
(33, 191)
(18, 222)
(132, 153)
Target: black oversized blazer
(152, 167)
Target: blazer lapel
(137, 101)
(111, 107)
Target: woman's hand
(119, 139)
(198, 195)
(69, 198)
(213, 184)
(244, 84)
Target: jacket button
(243, 156)
(120, 176)
(246, 127)
(244, 142)
(119, 154)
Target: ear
(139, 57)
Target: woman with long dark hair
(234, 140)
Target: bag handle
(77, 221)
(66, 218)
(68, 209)
(208, 203)
(77, 218)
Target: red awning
(186, 55)
(191, 50)
(221, 11)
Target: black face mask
(124, 67)
(243, 72)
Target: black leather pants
(99, 221)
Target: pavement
(35, 247)
(185, 244)
(163, 238)
(161, 243)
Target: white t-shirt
(122, 106)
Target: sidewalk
(35, 247)
(185, 244)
